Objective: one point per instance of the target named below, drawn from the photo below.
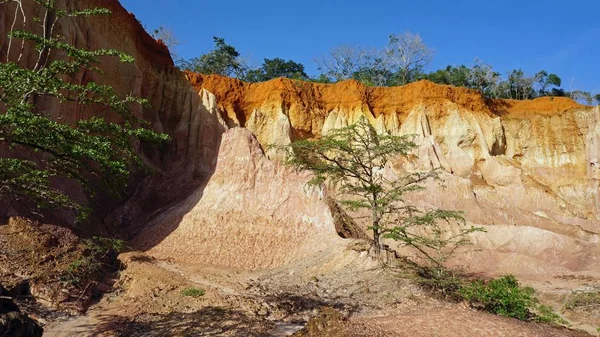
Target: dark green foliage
(545, 81)
(276, 68)
(456, 76)
(321, 79)
(597, 98)
(353, 159)
(502, 296)
(224, 60)
(89, 148)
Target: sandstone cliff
(175, 108)
(508, 163)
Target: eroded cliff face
(175, 108)
(541, 148)
(507, 163)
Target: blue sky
(562, 37)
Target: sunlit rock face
(254, 213)
(530, 165)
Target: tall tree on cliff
(224, 60)
(354, 159)
(275, 68)
(38, 148)
(407, 55)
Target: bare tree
(342, 62)
(407, 54)
(485, 79)
(167, 36)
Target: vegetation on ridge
(403, 60)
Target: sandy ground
(370, 302)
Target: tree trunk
(375, 250)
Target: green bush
(193, 292)
(502, 296)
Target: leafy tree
(354, 159)
(275, 68)
(597, 98)
(43, 148)
(224, 60)
(456, 76)
(407, 55)
(545, 80)
(519, 85)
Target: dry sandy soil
(366, 301)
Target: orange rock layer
(242, 98)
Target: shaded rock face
(175, 108)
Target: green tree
(545, 81)
(42, 148)
(456, 76)
(275, 68)
(520, 86)
(224, 60)
(597, 98)
(354, 159)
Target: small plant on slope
(193, 292)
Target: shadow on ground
(208, 321)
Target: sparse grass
(546, 314)
(193, 292)
(583, 299)
(97, 253)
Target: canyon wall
(531, 164)
(175, 108)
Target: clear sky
(562, 37)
